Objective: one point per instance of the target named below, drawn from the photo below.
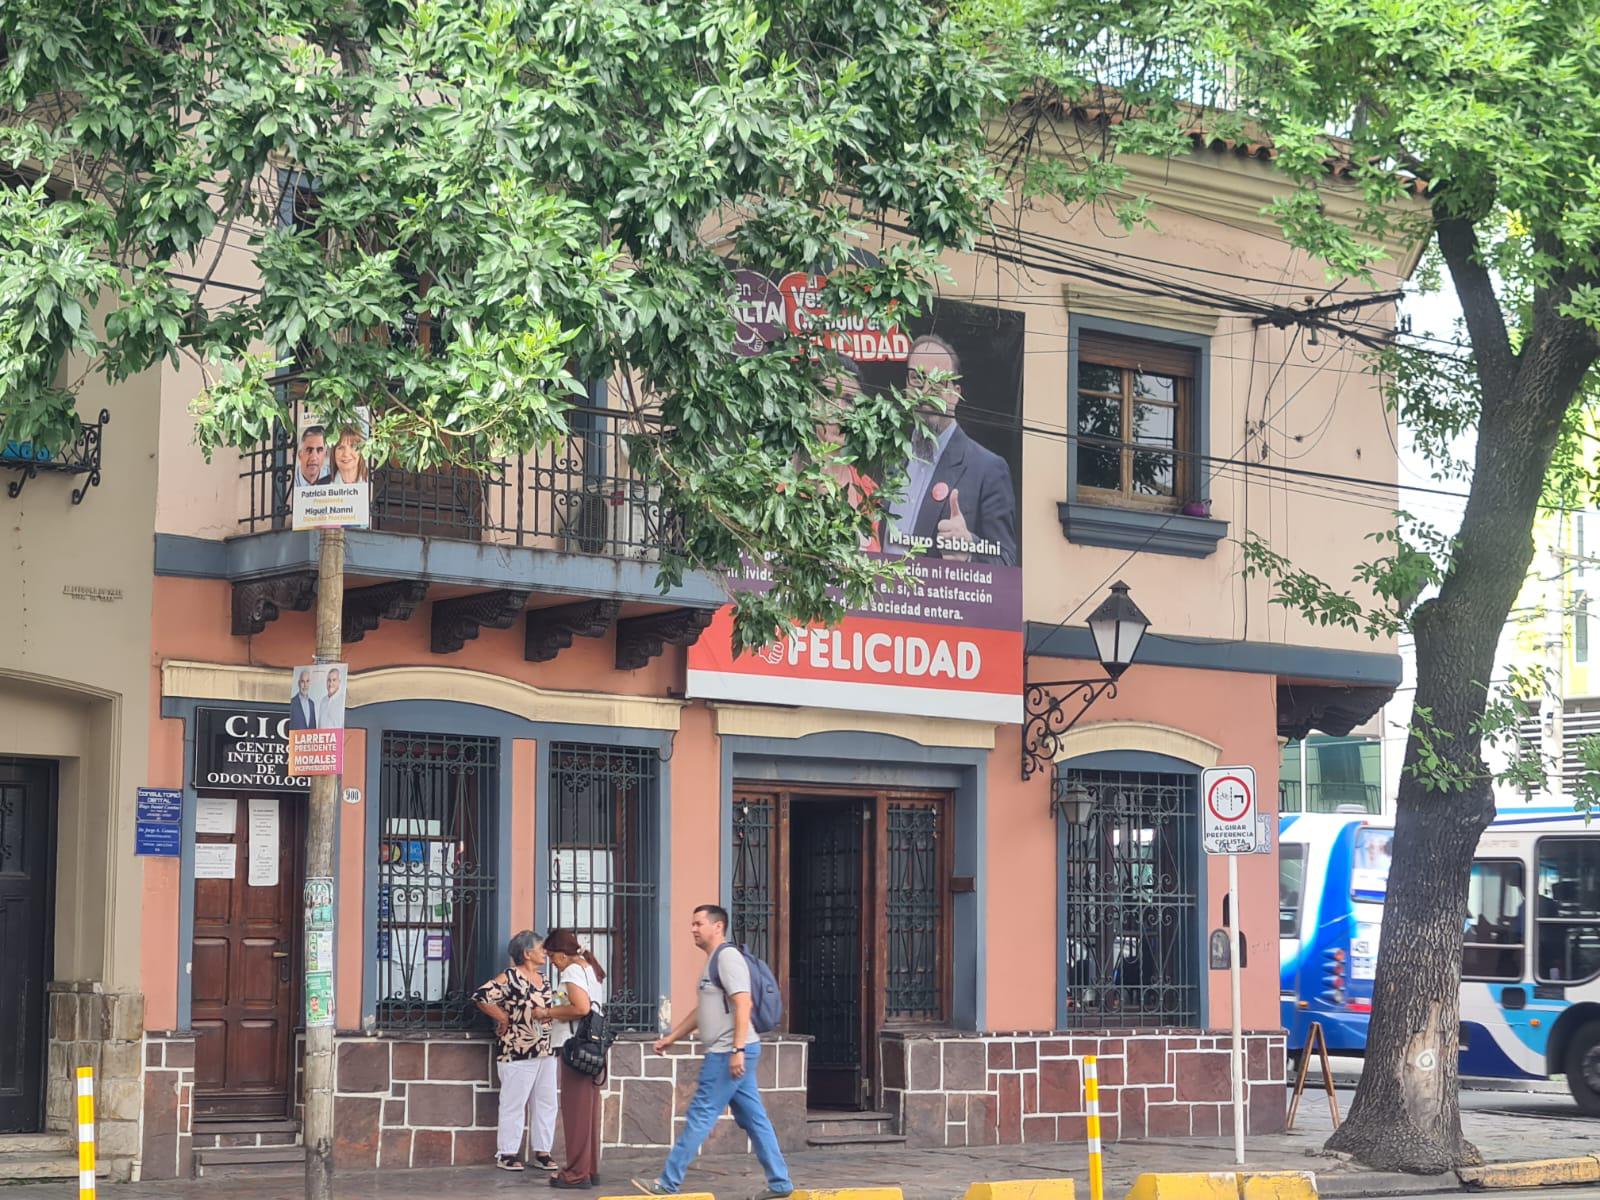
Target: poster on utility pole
(331, 488)
(316, 719)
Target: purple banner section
(977, 595)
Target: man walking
(728, 1075)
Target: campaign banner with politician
(331, 488)
(316, 719)
(947, 643)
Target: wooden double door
(244, 1006)
(845, 894)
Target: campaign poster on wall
(331, 488)
(948, 644)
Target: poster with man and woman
(331, 488)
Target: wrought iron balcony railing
(580, 496)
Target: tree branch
(1491, 344)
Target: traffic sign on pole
(1228, 826)
(1228, 810)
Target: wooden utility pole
(318, 1128)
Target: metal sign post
(1228, 826)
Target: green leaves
(461, 215)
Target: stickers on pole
(319, 947)
(1228, 810)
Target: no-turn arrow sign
(1228, 810)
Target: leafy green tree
(560, 185)
(1490, 109)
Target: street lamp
(1074, 802)
(1117, 627)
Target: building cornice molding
(270, 685)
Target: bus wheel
(1583, 1068)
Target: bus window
(1369, 873)
(1291, 885)
(1492, 942)
(1568, 918)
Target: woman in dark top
(526, 1059)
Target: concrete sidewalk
(1505, 1128)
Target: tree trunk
(318, 1130)
(1406, 1114)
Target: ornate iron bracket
(551, 630)
(365, 608)
(639, 639)
(82, 457)
(1048, 714)
(256, 602)
(457, 622)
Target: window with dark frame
(437, 797)
(1135, 405)
(603, 804)
(1492, 942)
(1130, 914)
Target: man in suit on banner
(302, 712)
(959, 502)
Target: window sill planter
(1134, 529)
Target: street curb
(1359, 1185)
(1023, 1189)
(1543, 1172)
(1224, 1185)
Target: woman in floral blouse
(527, 1061)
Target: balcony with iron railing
(579, 495)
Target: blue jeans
(718, 1090)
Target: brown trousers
(580, 1126)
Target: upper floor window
(1135, 412)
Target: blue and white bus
(1530, 990)
(1332, 874)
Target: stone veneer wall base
(948, 1089)
(90, 1027)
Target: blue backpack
(766, 1002)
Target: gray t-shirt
(716, 1003)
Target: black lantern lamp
(1053, 707)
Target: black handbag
(585, 1051)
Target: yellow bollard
(85, 1133)
(1091, 1090)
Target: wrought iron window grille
(604, 822)
(436, 877)
(1131, 906)
(754, 915)
(914, 984)
(81, 457)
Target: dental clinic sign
(947, 642)
(244, 749)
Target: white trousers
(527, 1087)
